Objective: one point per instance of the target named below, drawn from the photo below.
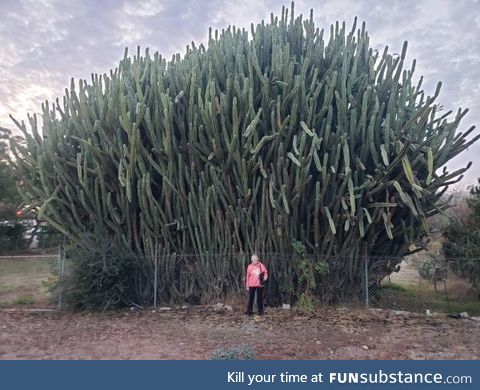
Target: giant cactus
(247, 144)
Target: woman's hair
(255, 256)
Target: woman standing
(257, 274)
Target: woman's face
(254, 259)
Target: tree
(9, 196)
(11, 231)
(462, 246)
(247, 145)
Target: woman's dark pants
(251, 297)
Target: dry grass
(23, 281)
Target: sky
(44, 43)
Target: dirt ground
(196, 332)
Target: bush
(237, 352)
(428, 268)
(102, 276)
(23, 300)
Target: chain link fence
(420, 284)
(183, 279)
(430, 284)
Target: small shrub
(426, 268)
(24, 300)
(305, 302)
(236, 352)
(394, 287)
(432, 269)
(309, 272)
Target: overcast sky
(45, 43)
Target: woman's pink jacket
(253, 274)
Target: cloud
(144, 7)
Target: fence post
(155, 276)
(366, 282)
(61, 271)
